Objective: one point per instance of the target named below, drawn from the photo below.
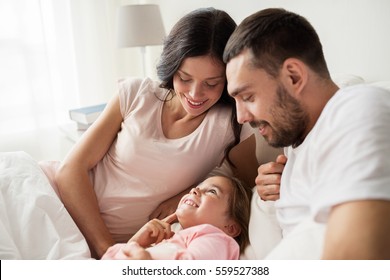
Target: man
(337, 141)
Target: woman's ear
(294, 75)
(232, 229)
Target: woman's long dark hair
(202, 32)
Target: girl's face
(199, 83)
(206, 204)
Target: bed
(34, 223)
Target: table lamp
(139, 26)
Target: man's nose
(243, 114)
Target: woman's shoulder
(135, 84)
(133, 91)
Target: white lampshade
(139, 26)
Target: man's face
(265, 103)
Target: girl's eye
(212, 191)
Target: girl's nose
(195, 191)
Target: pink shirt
(203, 242)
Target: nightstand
(70, 130)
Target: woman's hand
(154, 231)
(268, 178)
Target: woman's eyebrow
(210, 78)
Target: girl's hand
(154, 231)
(133, 251)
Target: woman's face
(208, 203)
(199, 83)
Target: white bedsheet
(34, 223)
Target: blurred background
(57, 55)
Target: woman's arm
(73, 182)
(168, 206)
(243, 157)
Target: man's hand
(154, 231)
(268, 178)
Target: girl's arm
(73, 182)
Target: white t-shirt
(345, 157)
(143, 168)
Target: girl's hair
(239, 209)
(202, 32)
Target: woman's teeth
(195, 103)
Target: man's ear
(295, 75)
(232, 229)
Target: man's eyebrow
(238, 90)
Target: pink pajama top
(203, 242)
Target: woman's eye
(184, 80)
(211, 85)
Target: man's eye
(247, 98)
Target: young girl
(214, 219)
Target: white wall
(354, 33)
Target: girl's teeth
(188, 202)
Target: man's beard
(289, 121)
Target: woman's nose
(195, 92)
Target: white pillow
(305, 242)
(382, 84)
(345, 80)
(264, 230)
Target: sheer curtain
(37, 66)
(54, 55)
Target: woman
(154, 141)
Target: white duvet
(34, 223)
